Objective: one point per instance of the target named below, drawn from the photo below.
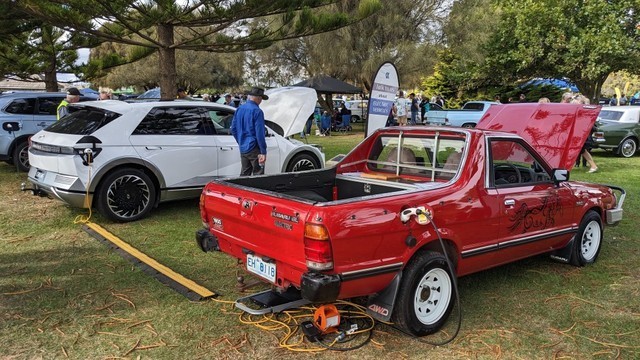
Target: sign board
(384, 87)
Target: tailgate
(260, 228)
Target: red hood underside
(556, 131)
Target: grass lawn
(63, 294)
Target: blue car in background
(23, 114)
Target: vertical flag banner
(384, 87)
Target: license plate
(263, 269)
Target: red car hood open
(556, 131)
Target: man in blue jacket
(247, 128)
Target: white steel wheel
(590, 242)
(432, 297)
(426, 293)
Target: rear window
(473, 106)
(610, 115)
(21, 106)
(83, 121)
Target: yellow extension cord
(81, 219)
(269, 322)
(291, 323)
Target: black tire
(9, 161)
(588, 240)
(125, 195)
(423, 310)
(468, 125)
(20, 156)
(355, 118)
(302, 162)
(627, 147)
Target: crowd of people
(404, 111)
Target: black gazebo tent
(327, 85)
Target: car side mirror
(560, 175)
(11, 126)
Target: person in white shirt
(401, 105)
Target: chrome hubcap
(628, 148)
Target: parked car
(126, 158)
(411, 208)
(467, 117)
(23, 114)
(617, 129)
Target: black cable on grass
(455, 290)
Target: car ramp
(189, 288)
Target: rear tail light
(317, 247)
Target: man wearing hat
(73, 96)
(247, 128)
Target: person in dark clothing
(424, 107)
(415, 109)
(247, 128)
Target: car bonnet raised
(556, 131)
(289, 108)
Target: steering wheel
(510, 178)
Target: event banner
(384, 87)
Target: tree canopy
(30, 47)
(583, 40)
(405, 33)
(208, 25)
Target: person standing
(182, 94)
(228, 100)
(73, 96)
(401, 109)
(104, 95)
(424, 107)
(415, 109)
(588, 144)
(247, 127)
(523, 98)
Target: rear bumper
(68, 189)
(320, 288)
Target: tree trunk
(167, 65)
(50, 71)
(51, 79)
(591, 88)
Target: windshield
(83, 121)
(610, 115)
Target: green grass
(64, 294)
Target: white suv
(125, 158)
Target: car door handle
(42, 124)
(509, 202)
(226, 148)
(153, 147)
